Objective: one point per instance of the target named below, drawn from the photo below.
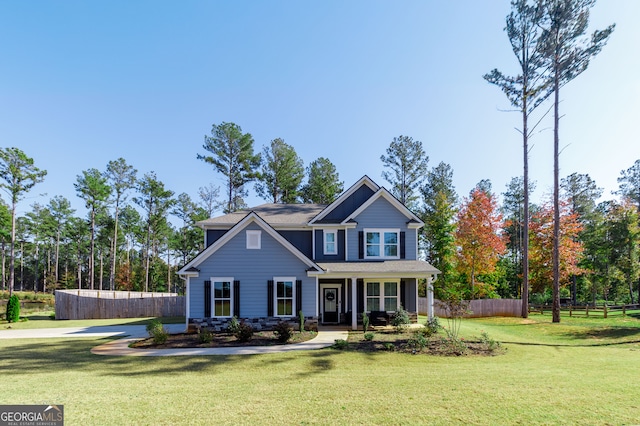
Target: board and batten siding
(320, 256)
(348, 206)
(253, 268)
(382, 214)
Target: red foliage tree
(478, 236)
(541, 240)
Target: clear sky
(86, 82)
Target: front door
(330, 310)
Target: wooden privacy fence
(479, 308)
(100, 304)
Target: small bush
(244, 333)
(401, 319)
(234, 324)
(13, 309)
(205, 335)
(389, 346)
(365, 322)
(283, 331)
(157, 332)
(491, 344)
(418, 341)
(301, 321)
(369, 336)
(340, 344)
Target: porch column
(430, 281)
(354, 304)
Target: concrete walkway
(132, 333)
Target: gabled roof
(274, 214)
(364, 180)
(413, 220)
(191, 267)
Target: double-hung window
(222, 296)
(382, 243)
(285, 295)
(330, 241)
(382, 295)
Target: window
(330, 242)
(382, 243)
(284, 296)
(383, 295)
(254, 240)
(222, 296)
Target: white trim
(187, 308)
(254, 239)
(325, 233)
(249, 219)
(214, 280)
(364, 180)
(354, 303)
(381, 243)
(415, 222)
(293, 295)
(382, 295)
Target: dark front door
(330, 314)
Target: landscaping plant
(283, 331)
(365, 322)
(157, 332)
(401, 320)
(244, 332)
(13, 309)
(301, 321)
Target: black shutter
(360, 245)
(207, 299)
(270, 298)
(298, 297)
(360, 292)
(236, 298)
(403, 294)
(402, 245)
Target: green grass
(576, 372)
(43, 320)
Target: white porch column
(187, 308)
(430, 282)
(354, 304)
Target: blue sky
(83, 83)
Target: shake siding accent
(253, 268)
(348, 206)
(381, 214)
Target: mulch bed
(261, 338)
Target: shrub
(432, 326)
(401, 319)
(301, 321)
(157, 332)
(283, 331)
(340, 344)
(234, 324)
(418, 341)
(491, 344)
(365, 322)
(13, 309)
(205, 335)
(369, 336)
(389, 346)
(244, 333)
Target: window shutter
(298, 296)
(360, 244)
(236, 298)
(270, 298)
(403, 294)
(402, 245)
(207, 299)
(360, 284)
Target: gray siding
(320, 247)
(348, 206)
(253, 268)
(382, 214)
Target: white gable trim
(248, 219)
(364, 180)
(383, 193)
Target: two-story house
(267, 263)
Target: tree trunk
(556, 199)
(525, 231)
(91, 249)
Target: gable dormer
(347, 203)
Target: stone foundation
(258, 324)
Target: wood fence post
(587, 310)
(624, 310)
(605, 311)
(570, 310)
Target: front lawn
(575, 372)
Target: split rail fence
(603, 311)
(101, 304)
